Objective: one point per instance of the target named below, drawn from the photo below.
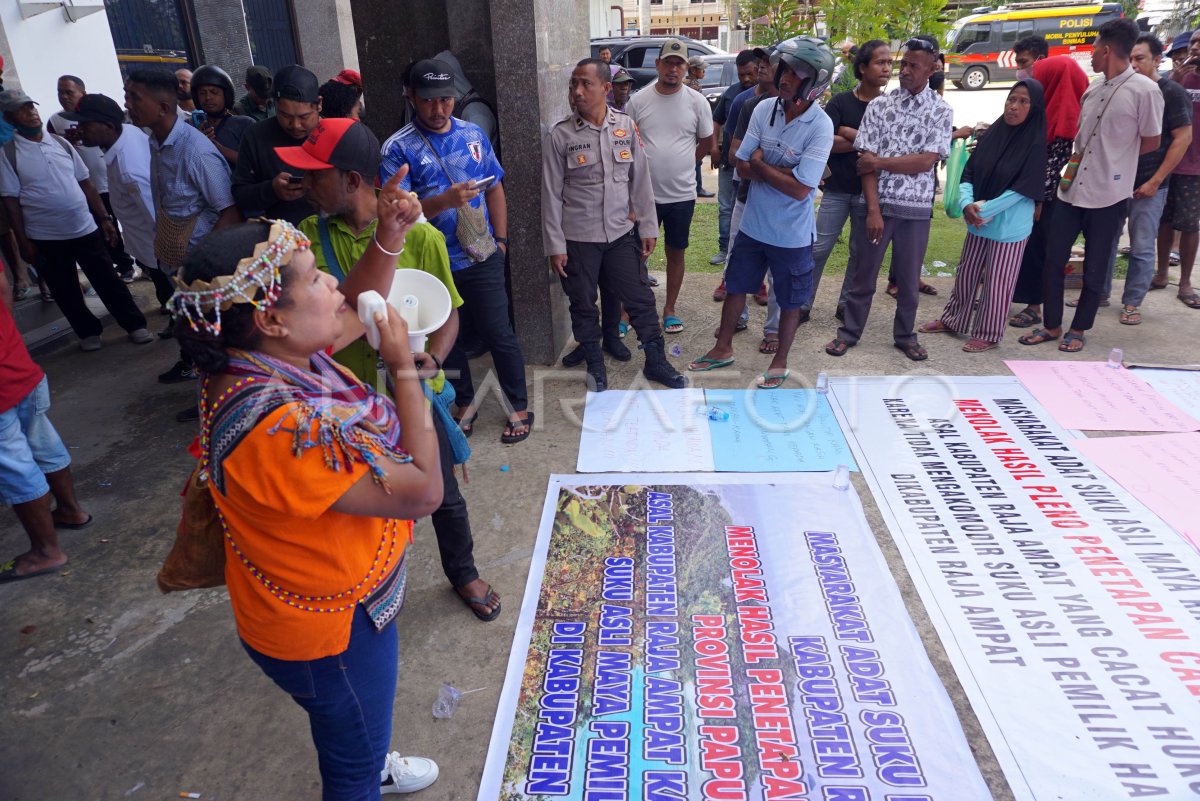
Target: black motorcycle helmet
(211, 75)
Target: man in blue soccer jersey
(454, 171)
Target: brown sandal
(979, 346)
(913, 351)
(838, 347)
(936, 327)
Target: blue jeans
(1144, 216)
(832, 214)
(726, 194)
(348, 698)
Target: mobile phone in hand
(483, 183)
(295, 180)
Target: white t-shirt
(93, 157)
(52, 202)
(128, 162)
(670, 127)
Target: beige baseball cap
(673, 48)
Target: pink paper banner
(1095, 397)
(1161, 471)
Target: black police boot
(657, 367)
(595, 366)
(574, 358)
(613, 345)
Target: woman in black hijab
(1001, 183)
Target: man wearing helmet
(212, 92)
(784, 153)
(904, 133)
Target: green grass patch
(945, 245)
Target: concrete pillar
(517, 54)
(326, 36)
(224, 39)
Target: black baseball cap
(432, 78)
(294, 82)
(97, 108)
(336, 142)
(260, 79)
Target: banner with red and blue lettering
(720, 637)
(1070, 611)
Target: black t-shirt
(743, 125)
(1177, 112)
(844, 109)
(721, 117)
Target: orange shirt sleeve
(263, 468)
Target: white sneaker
(406, 774)
(140, 336)
(717, 259)
(89, 343)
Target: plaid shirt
(189, 177)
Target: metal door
(272, 36)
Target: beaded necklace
(281, 594)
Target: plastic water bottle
(1116, 358)
(822, 383)
(447, 702)
(841, 479)
(713, 413)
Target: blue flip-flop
(672, 324)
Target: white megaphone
(417, 296)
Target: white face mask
(1023, 75)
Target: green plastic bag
(954, 170)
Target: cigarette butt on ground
(189, 795)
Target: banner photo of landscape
(1092, 396)
(669, 431)
(718, 637)
(1161, 470)
(1070, 611)
(1180, 387)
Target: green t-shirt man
(424, 249)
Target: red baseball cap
(336, 142)
(349, 77)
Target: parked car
(637, 53)
(720, 75)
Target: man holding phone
(212, 91)
(262, 184)
(455, 173)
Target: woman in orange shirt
(315, 477)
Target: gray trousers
(616, 269)
(908, 239)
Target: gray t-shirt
(670, 126)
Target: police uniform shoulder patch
(620, 132)
(625, 154)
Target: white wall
(39, 49)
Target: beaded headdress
(259, 272)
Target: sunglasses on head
(921, 44)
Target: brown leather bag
(197, 559)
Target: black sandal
(466, 424)
(510, 437)
(484, 601)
